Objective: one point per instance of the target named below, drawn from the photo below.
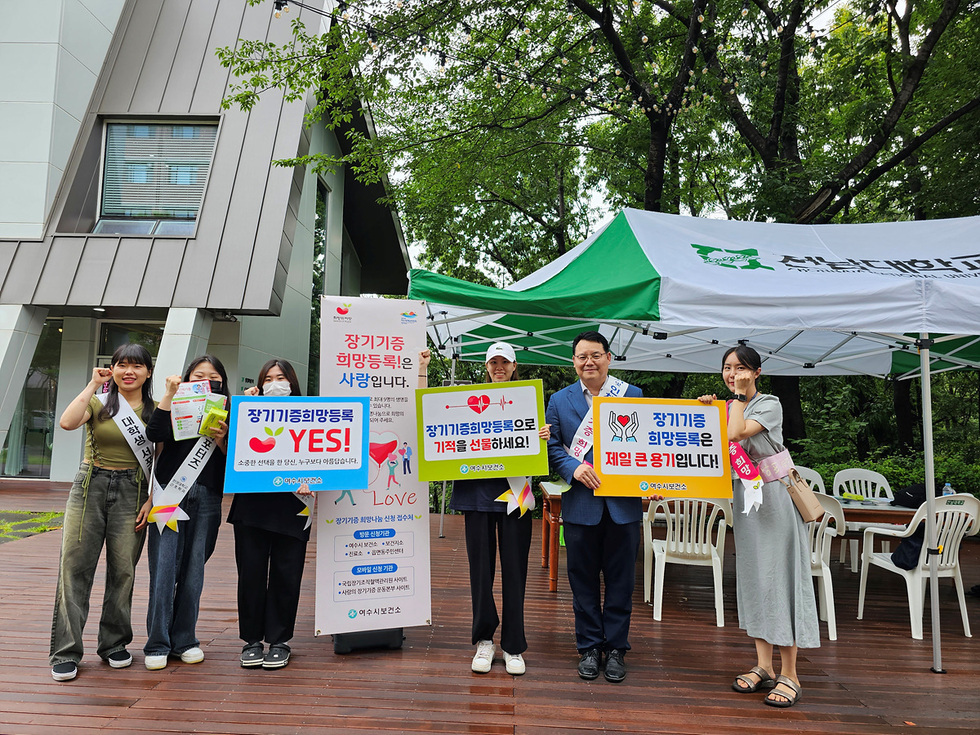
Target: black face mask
(215, 386)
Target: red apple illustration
(261, 445)
(343, 309)
(264, 445)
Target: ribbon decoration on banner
(307, 501)
(166, 509)
(518, 495)
(750, 476)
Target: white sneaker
(153, 663)
(192, 656)
(514, 663)
(484, 657)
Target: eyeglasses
(595, 357)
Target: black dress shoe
(615, 665)
(588, 665)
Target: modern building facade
(133, 208)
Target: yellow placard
(661, 446)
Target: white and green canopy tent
(672, 293)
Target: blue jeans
(105, 514)
(177, 573)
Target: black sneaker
(588, 665)
(65, 671)
(252, 655)
(277, 657)
(615, 665)
(119, 659)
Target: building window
(154, 176)
(113, 335)
(184, 175)
(138, 173)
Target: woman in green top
(107, 505)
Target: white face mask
(277, 388)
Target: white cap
(503, 349)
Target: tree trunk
(904, 418)
(675, 388)
(787, 389)
(653, 177)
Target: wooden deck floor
(874, 679)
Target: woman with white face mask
(271, 533)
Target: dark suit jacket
(566, 409)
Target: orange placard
(661, 446)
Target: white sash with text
(132, 430)
(582, 441)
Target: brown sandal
(791, 697)
(765, 681)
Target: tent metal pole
(442, 512)
(934, 626)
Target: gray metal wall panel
(130, 270)
(234, 194)
(297, 184)
(275, 206)
(246, 210)
(162, 268)
(59, 271)
(80, 195)
(193, 52)
(195, 281)
(128, 64)
(159, 61)
(23, 273)
(212, 77)
(8, 249)
(286, 242)
(296, 187)
(91, 280)
(279, 285)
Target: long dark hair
(141, 356)
(287, 371)
(746, 355)
(216, 363)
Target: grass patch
(15, 524)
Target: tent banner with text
(479, 431)
(661, 446)
(372, 569)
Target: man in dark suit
(602, 534)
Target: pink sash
(741, 463)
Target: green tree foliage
(502, 122)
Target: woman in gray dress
(776, 605)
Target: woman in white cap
(488, 525)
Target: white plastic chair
(956, 516)
(822, 534)
(813, 478)
(690, 527)
(871, 486)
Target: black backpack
(911, 497)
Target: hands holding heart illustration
(623, 426)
